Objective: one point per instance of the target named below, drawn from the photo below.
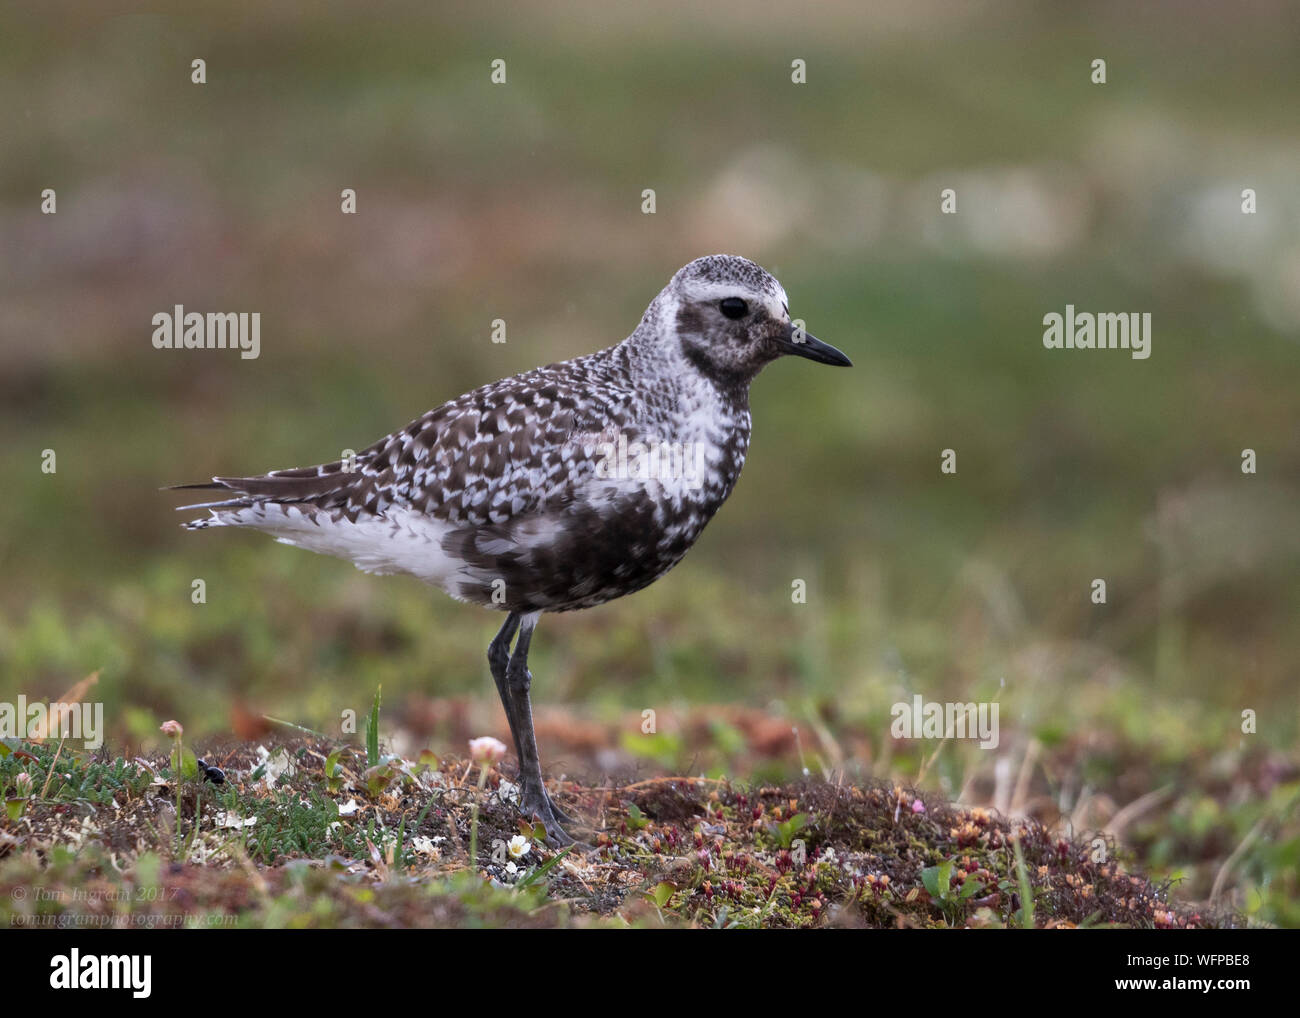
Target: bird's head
(731, 318)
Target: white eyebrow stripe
(714, 291)
(718, 290)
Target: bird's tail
(252, 497)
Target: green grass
(302, 835)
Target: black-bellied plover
(561, 488)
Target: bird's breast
(684, 463)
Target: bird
(554, 490)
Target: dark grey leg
(532, 795)
(512, 678)
(498, 658)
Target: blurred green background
(522, 201)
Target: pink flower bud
(487, 750)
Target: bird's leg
(498, 658)
(523, 709)
(532, 797)
(498, 661)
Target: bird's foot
(537, 805)
(560, 815)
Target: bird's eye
(733, 308)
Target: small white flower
(511, 868)
(519, 846)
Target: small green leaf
(937, 879)
(15, 808)
(377, 778)
(786, 830)
(635, 818)
(187, 767)
(536, 874)
(1026, 889)
(662, 892)
(372, 731)
(333, 772)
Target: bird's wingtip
(214, 483)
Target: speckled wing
(493, 454)
(507, 450)
(485, 490)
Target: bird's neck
(658, 363)
(678, 403)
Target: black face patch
(690, 320)
(733, 383)
(729, 353)
(719, 350)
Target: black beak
(804, 344)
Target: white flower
(519, 846)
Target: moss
(329, 841)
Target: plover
(561, 488)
